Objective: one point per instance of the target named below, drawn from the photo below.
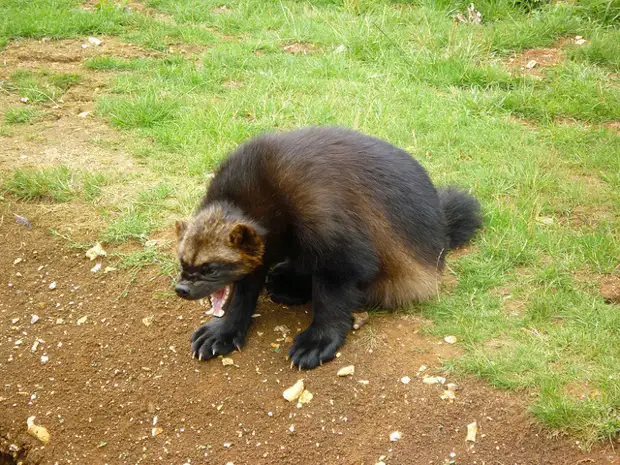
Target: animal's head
(217, 248)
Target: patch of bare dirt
(102, 381)
(586, 217)
(300, 48)
(63, 138)
(222, 9)
(610, 288)
(613, 125)
(69, 133)
(608, 285)
(581, 390)
(232, 84)
(534, 62)
(68, 54)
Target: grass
(42, 87)
(540, 153)
(57, 184)
(22, 115)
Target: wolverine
(325, 215)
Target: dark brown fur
(346, 219)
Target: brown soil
(544, 58)
(301, 48)
(107, 378)
(610, 288)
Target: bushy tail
(462, 213)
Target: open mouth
(218, 300)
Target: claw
(213, 350)
(200, 357)
(193, 355)
(292, 365)
(321, 362)
(238, 347)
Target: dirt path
(109, 377)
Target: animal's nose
(182, 290)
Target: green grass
(603, 50)
(138, 219)
(22, 115)
(57, 184)
(535, 150)
(43, 87)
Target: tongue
(217, 299)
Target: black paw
(315, 346)
(286, 287)
(216, 338)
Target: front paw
(315, 346)
(216, 338)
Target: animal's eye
(207, 269)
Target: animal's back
(334, 182)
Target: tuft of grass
(111, 63)
(92, 184)
(43, 86)
(143, 111)
(56, 184)
(23, 115)
(64, 81)
(149, 255)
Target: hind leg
(287, 285)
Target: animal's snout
(183, 290)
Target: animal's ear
(243, 236)
(181, 227)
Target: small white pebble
(395, 436)
(450, 339)
(434, 380)
(405, 380)
(44, 359)
(53, 285)
(346, 371)
(34, 319)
